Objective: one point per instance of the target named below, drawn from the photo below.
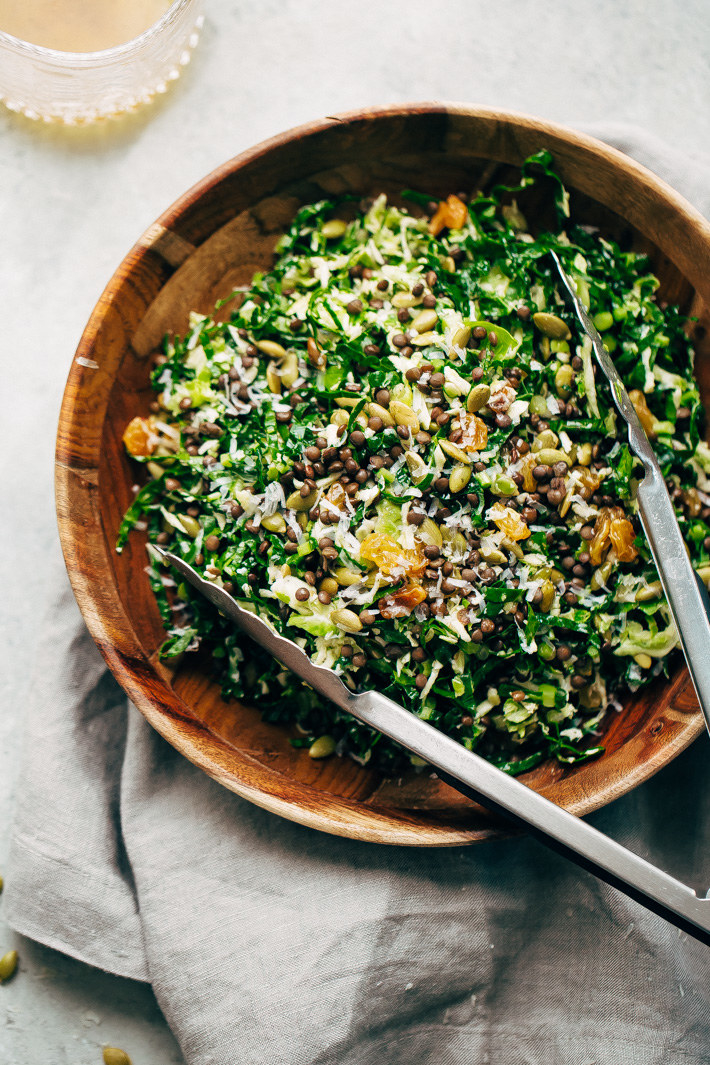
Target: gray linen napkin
(269, 943)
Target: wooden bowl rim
(329, 813)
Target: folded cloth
(270, 943)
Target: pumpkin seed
(275, 523)
(346, 619)
(510, 545)
(289, 369)
(704, 574)
(377, 411)
(567, 501)
(651, 591)
(333, 228)
(454, 452)
(455, 540)
(416, 465)
(643, 660)
(425, 321)
(477, 398)
(316, 356)
(8, 965)
(271, 348)
(155, 470)
(460, 476)
(551, 326)
(548, 596)
(273, 379)
(459, 544)
(404, 415)
(346, 576)
(404, 300)
(425, 339)
(584, 454)
(323, 747)
(165, 449)
(590, 698)
(116, 1056)
(601, 576)
(329, 585)
(430, 533)
(538, 405)
(545, 439)
(563, 381)
(448, 264)
(339, 417)
(347, 401)
(548, 456)
(190, 525)
(461, 337)
(298, 502)
(490, 553)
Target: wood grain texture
(215, 237)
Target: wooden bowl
(216, 236)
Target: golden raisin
(641, 407)
(400, 604)
(612, 527)
(475, 433)
(392, 560)
(137, 438)
(509, 522)
(622, 537)
(451, 213)
(336, 495)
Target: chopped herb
(397, 449)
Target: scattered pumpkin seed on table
(115, 1056)
(8, 965)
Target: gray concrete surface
(73, 201)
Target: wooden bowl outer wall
(193, 244)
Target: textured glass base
(81, 87)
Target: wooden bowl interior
(211, 241)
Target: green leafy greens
(398, 450)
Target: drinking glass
(79, 87)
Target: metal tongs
(686, 594)
(477, 778)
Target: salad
(398, 450)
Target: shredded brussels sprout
(399, 450)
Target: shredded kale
(398, 449)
